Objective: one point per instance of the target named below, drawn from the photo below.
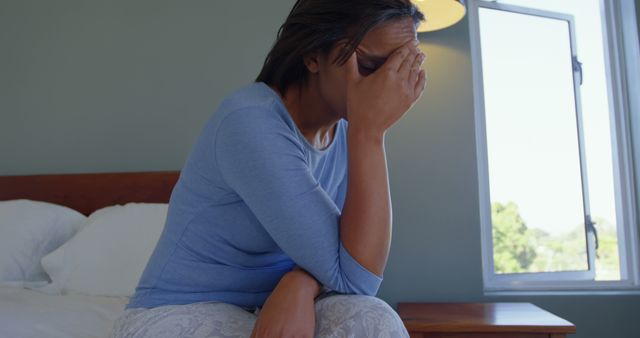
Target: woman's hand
(377, 101)
(290, 309)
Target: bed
(77, 286)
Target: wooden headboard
(91, 191)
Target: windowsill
(593, 292)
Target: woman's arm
(374, 103)
(365, 224)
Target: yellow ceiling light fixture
(440, 14)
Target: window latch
(577, 66)
(591, 227)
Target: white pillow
(28, 231)
(109, 255)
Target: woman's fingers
(351, 72)
(415, 68)
(407, 63)
(420, 84)
(396, 59)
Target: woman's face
(371, 53)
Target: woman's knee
(346, 315)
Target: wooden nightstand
(482, 320)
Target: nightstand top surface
(481, 317)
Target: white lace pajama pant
(337, 315)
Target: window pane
(532, 143)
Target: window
(557, 199)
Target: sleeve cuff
(361, 279)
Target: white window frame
(620, 35)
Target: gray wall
(126, 86)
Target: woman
(280, 222)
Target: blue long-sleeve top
(253, 199)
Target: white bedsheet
(26, 313)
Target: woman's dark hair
(316, 25)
